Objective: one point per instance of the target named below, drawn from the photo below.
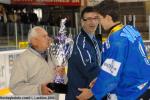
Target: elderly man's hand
(45, 90)
(60, 70)
(85, 94)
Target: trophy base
(58, 87)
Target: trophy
(60, 51)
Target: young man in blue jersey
(125, 69)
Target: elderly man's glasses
(90, 19)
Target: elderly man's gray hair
(33, 33)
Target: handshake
(85, 92)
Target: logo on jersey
(111, 66)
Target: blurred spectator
(24, 16)
(18, 15)
(130, 19)
(50, 20)
(58, 19)
(3, 17)
(12, 16)
(33, 19)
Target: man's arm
(84, 62)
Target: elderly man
(31, 72)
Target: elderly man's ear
(34, 41)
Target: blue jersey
(125, 69)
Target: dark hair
(109, 7)
(88, 9)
